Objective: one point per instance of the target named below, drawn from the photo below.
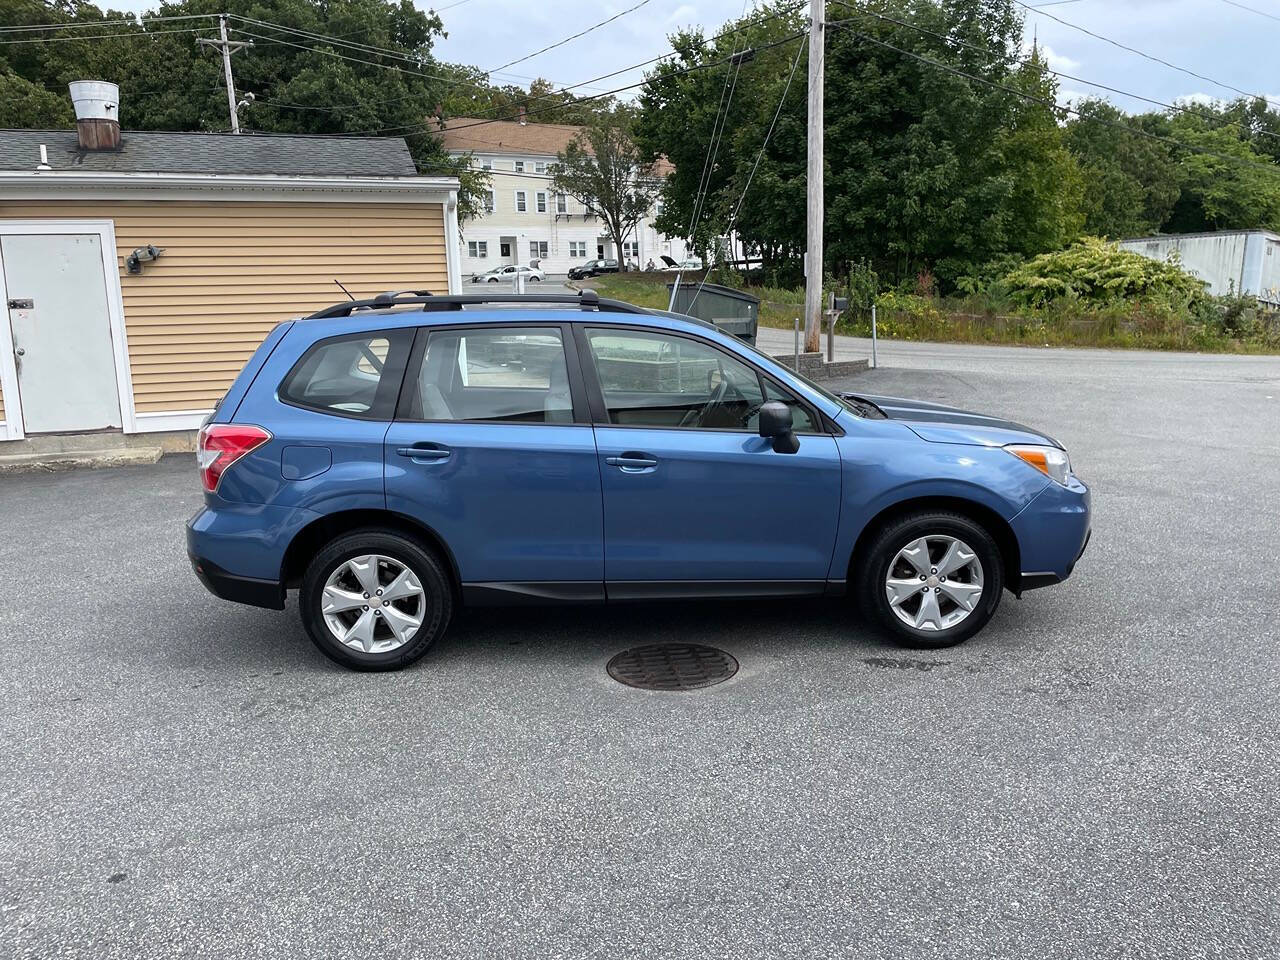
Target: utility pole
(227, 47)
(813, 207)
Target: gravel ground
(1096, 775)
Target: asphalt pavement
(1096, 775)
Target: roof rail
(585, 299)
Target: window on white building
(542, 201)
(478, 249)
(490, 201)
(522, 201)
(539, 167)
(538, 248)
(657, 207)
(562, 203)
(486, 163)
(631, 249)
(518, 166)
(577, 248)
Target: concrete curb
(78, 460)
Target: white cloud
(1199, 99)
(1057, 61)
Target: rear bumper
(1053, 531)
(237, 550)
(228, 586)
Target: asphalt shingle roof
(162, 152)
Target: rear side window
(353, 376)
(498, 373)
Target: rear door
(492, 448)
(695, 501)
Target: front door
(489, 451)
(61, 332)
(691, 491)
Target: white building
(525, 218)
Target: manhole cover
(672, 666)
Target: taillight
(222, 444)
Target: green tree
(1226, 184)
(1132, 181)
(604, 169)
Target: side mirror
(776, 424)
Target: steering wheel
(717, 397)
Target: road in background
(1096, 774)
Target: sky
(1218, 39)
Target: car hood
(939, 423)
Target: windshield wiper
(864, 407)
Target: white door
(61, 331)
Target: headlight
(1050, 461)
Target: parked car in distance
(592, 268)
(395, 458)
(508, 273)
(691, 264)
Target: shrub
(1095, 271)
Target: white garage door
(61, 332)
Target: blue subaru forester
(397, 457)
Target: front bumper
(1053, 531)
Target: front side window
(522, 201)
(518, 166)
(540, 166)
(542, 202)
(562, 203)
(654, 379)
(502, 373)
(538, 248)
(577, 248)
(355, 376)
(490, 201)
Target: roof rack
(585, 300)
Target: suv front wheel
(931, 579)
(375, 600)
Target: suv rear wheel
(931, 579)
(375, 600)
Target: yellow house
(140, 277)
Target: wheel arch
(984, 516)
(311, 538)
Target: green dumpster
(731, 310)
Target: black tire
(535, 279)
(873, 573)
(426, 567)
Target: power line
(105, 36)
(581, 33)
(733, 218)
(581, 100)
(1143, 54)
(1065, 76)
(86, 24)
(1136, 131)
(1261, 13)
(587, 84)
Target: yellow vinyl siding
(232, 271)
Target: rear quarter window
(357, 375)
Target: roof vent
(97, 104)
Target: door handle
(632, 462)
(425, 454)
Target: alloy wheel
(373, 603)
(934, 582)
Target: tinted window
(660, 380)
(503, 373)
(354, 376)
